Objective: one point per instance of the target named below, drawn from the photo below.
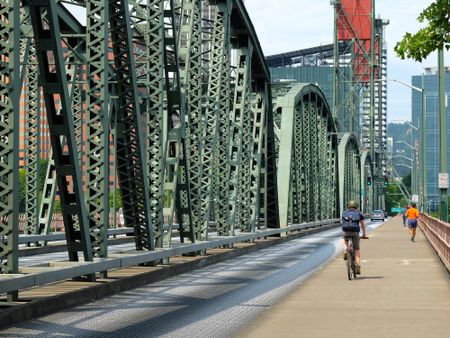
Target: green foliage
(22, 189)
(43, 163)
(118, 199)
(433, 37)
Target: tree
(435, 36)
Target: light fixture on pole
(415, 186)
(423, 181)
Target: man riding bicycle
(352, 219)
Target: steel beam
(97, 124)
(54, 83)
(9, 136)
(130, 149)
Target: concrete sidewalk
(404, 291)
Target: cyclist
(352, 223)
(412, 214)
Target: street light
(405, 143)
(423, 181)
(415, 186)
(402, 156)
(405, 165)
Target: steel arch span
(307, 154)
(171, 103)
(349, 170)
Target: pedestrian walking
(412, 214)
(404, 214)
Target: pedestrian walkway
(404, 291)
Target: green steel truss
(240, 135)
(176, 186)
(32, 141)
(53, 78)
(148, 18)
(197, 139)
(129, 148)
(97, 124)
(349, 170)
(307, 175)
(9, 136)
(366, 190)
(50, 183)
(191, 77)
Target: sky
(288, 25)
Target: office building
(430, 82)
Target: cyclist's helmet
(352, 204)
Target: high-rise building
(429, 81)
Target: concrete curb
(19, 313)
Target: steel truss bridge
(178, 94)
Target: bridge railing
(438, 234)
(49, 272)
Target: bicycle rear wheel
(349, 266)
(354, 269)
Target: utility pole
(372, 101)
(443, 170)
(424, 154)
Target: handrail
(50, 272)
(61, 236)
(438, 234)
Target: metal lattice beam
(97, 125)
(306, 155)
(32, 141)
(54, 83)
(9, 123)
(191, 77)
(133, 185)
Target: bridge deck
(404, 291)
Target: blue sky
(287, 25)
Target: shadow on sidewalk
(369, 277)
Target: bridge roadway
(404, 291)
(278, 291)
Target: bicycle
(351, 265)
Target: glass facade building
(429, 81)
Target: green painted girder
(366, 191)
(349, 163)
(256, 195)
(191, 74)
(215, 120)
(9, 137)
(54, 83)
(149, 28)
(50, 183)
(176, 180)
(130, 148)
(307, 184)
(32, 142)
(97, 124)
(240, 121)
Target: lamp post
(423, 180)
(443, 168)
(414, 173)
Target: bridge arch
(349, 170)
(366, 190)
(307, 153)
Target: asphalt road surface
(215, 301)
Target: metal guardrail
(61, 236)
(57, 271)
(438, 234)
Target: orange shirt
(412, 213)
